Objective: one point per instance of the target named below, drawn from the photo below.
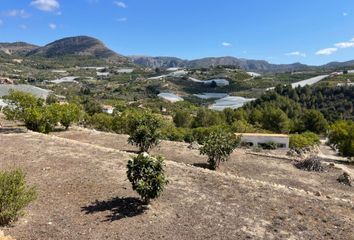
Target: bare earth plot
(83, 193)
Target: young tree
(147, 176)
(218, 146)
(144, 130)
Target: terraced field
(83, 193)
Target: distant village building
(6, 81)
(102, 74)
(258, 139)
(108, 109)
(125, 70)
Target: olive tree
(218, 146)
(147, 176)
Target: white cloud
(46, 5)
(123, 19)
(297, 53)
(120, 4)
(344, 44)
(326, 51)
(226, 44)
(345, 14)
(52, 26)
(18, 13)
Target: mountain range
(92, 47)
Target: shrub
(14, 195)
(170, 132)
(41, 119)
(147, 176)
(341, 136)
(304, 140)
(101, 122)
(144, 131)
(218, 147)
(182, 118)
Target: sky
(279, 31)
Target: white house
(257, 139)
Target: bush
(304, 140)
(182, 119)
(341, 136)
(218, 147)
(41, 119)
(100, 122)
(144, 130)
(14, 195)
(147, 176)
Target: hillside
(77, 46)
(252, 197)
(17, 48)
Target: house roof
(262, 135)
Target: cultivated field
(83, 193)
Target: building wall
(255, 140)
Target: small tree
(144, 130)
(69, 113)
(218, 146)
(14, 195)
(147, 176)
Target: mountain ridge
(89, 46)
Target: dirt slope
(84, 194)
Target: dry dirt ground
(83, 193)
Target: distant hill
(245, 64)
(17, 48)
(92, 47)
(79, 46)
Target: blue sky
(279, 31)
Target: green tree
(274, 119)
(147, 176)
(341, 136)
(92, 107)
(218, 147)
(206, 118)
(101, 122)
(182, 119)
(69, 113)
(18, 102)
(144, 130)
(314, 121)
(14, 195)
